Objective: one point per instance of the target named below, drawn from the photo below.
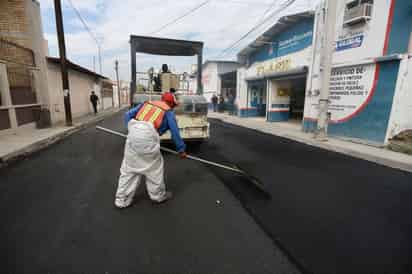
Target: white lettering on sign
(350, 88)
(294, 40)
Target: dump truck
(191, 113)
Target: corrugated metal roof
(220, 62)
(282, 24)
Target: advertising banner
(350, 89)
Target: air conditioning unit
(357, 13)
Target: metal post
(63, 64)
(247, 100)
(6, 96)
(199, 73)
(328, 47)
(410, 43)
(100, 58)
(94, 63)
(133, 70)
(118, 82)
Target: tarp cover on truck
(164, 46)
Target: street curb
(42, 144)
(324, 145)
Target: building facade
(370, 82)
(82, 82)
(23, 79)
(370, 95)
(30, 81)
(272, 84)
(211, 79)
(124, 93)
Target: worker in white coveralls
(142, 156)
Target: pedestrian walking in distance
(94, 99)
(214, 102)
(142, 157)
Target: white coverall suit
(142, 157)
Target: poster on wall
(350, 90)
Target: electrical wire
(267, 10)
(265, 20)
(261, 22)
(245, 2)
(180, 17)
(84, 22)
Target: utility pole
(63, 62)
(100, 58)
(94, 63)
(327, 50)
(118, 82)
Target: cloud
(218, 24)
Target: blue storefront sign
(294, 39)
(349, 43)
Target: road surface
(58, 217)
(331, 213)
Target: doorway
(297, 98)
(257, 97)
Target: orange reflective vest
(153, 112)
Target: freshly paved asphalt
(331, 213)
(57, 216)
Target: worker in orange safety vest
(142, 157)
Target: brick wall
(15, 49)
(13, 22)
(15, 42)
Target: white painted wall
(107, 102)
(38, 46)
(374, 32)
(115, 95)
(401, 115)
(274, 98)
(193, 85)
(81, 85)
(227, 67)
(241, 88)
(210, 80)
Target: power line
(90, 33)
(181, 17)
(267, 10)
(83, 21)
(228, 28)
(262, 22)
(245, 2)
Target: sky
(218, 23)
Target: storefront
(370, 71)
(370, 94)
(272, 84)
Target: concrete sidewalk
(293, 131)
(25, 141)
